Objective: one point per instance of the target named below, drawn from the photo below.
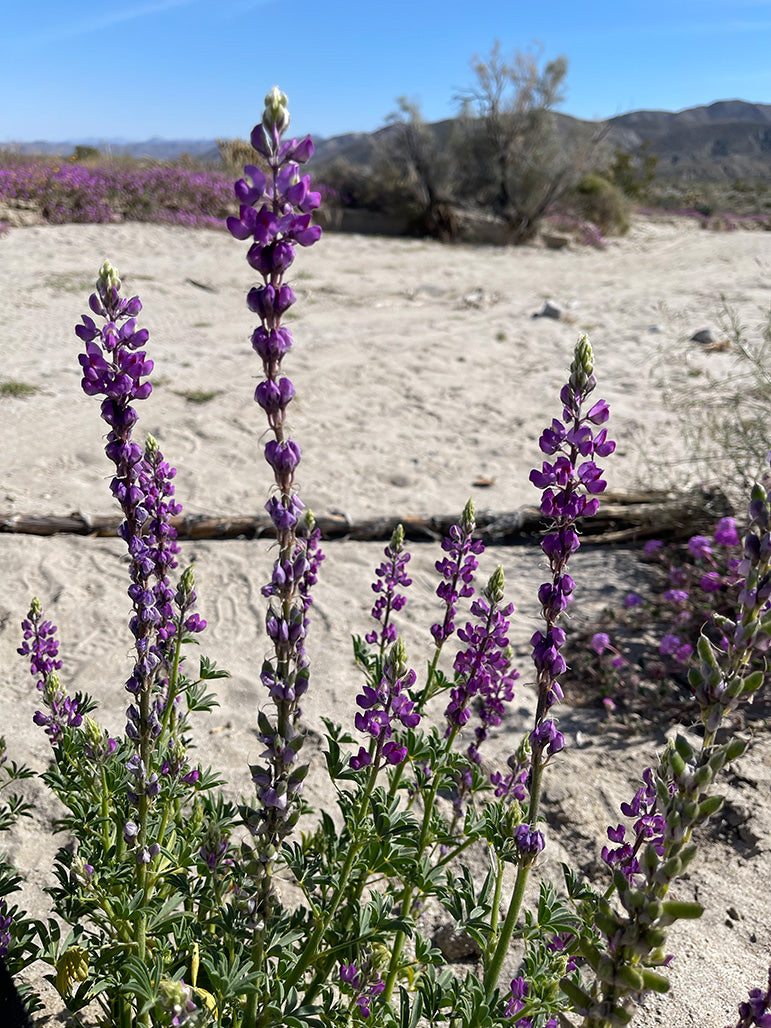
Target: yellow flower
(71, 967)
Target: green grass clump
(18, 390)
(198, 395)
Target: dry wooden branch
(622, 517)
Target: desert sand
(419, 370)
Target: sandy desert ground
(419, 369)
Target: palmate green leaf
(391, 822)
(553, 915)
(10, 880)
(433, 986)
(208, 670)
(198, 699)
(228, 978)
(136, 979)
(17, 772)
(338, 764)
(285, 1009)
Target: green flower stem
(105, 818)
(409, 889)
(496, 905)
(309, 951)
(493, 971)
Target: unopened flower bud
(468, 517)
(276, 114)
(583, 364)
(108, 276)
(396, 660)
(495, 586)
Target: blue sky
(72, 69)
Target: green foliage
(85, 153)
(634, 173)
(596, 199)
(235, 154)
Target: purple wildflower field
(63, 191)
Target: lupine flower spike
(275, 214)
(571, 483)
(116, 368)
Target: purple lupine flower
(700, 547)
(529, 842)
(114, 366)
(213, 851)
(711, 582)
(482, 661)
(546, 739)
(483, 669)
(5, 925)
(366, 982)
(558, 944)
(383, 707)
(391, 576)
(99, 746)
(40, 645)
(514, 784)
(457, 571)
(755, 1011)
(571, 483)
(42, 648)
(350, 975)
(570, 487)
(519, 990)
(725, 532)
(633, 600)
(600, 642)
(176, 999)
(649, 827)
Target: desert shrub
(413, 152)
(508, 154)
(235, 154)
(85, 153)
(599, 201)
(634, 172)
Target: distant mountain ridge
(721, 141)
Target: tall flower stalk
(570, 484)
(115, 366)
(275, 213)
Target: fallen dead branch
(622, 518)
